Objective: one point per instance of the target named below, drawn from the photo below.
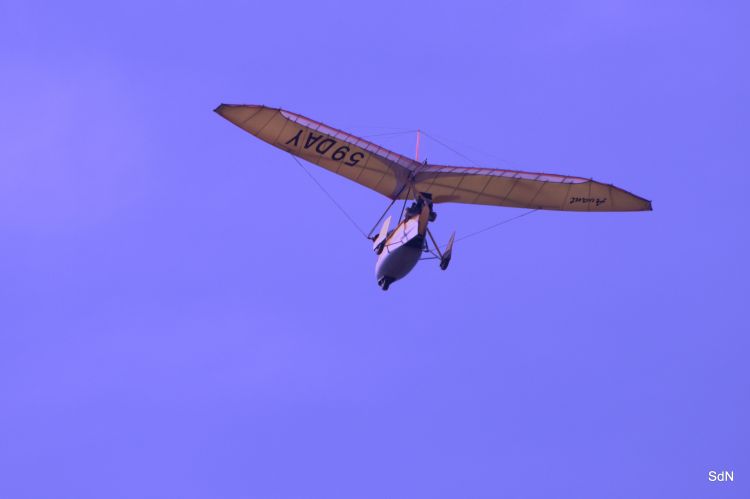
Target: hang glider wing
(388, 173)
(519, 189)
(352, 157)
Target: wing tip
(223, 106)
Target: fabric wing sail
(396, 176)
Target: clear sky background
(183, 314)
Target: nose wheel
(384, 282)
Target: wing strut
(370, 234)
(437, 248)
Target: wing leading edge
(387, 172)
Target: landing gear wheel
(385, 282)
(445, 261)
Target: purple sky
(183, 314)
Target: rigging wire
(367, 126)
(490, 227)
(498, 224)
(341, 209)
(386, 133)
(441, 141)
(451, 149)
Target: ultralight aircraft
(400, 178)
